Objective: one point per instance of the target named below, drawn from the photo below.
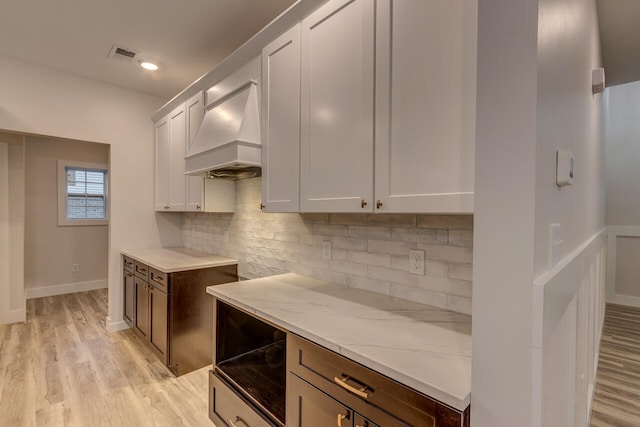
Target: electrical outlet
(326, 250)
(416, 262)
(75, 268)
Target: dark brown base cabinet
(318, 387)
(171, 312)
(324, 388)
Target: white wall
(16, 231)
(12, 304)
(530, 348)
(5, 246)
(622, 130)
(50, 249)
(41, 101)
(569, 117)
(622, 153)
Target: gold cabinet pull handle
(378, 204)
(262, 206)
(363, 203)
(237, 420)
(360, 392)
(342, 417)
(156, 279)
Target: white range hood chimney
(229, 136)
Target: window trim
(62, 193)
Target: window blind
(86, 193)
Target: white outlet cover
(416, 262)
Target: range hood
(227, 143)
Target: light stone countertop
(423, 347)
(170, 260)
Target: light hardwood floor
(617, 397)
(61, 368)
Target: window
(82, 194)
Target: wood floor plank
(617, 394)
(61, 368)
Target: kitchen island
(424, 348)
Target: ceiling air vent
(122, 53)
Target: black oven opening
(252, 355)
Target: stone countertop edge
(439, 365)
(172, 260)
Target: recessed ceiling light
(147, 65)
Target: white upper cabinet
(163, 164)
(337, 92)
(176, 192)
(425, 105)
(170, 181)
(195, 184)
(281, 123)
(177, 181)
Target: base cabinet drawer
(226, 408)
(379, 399)
(311, 407)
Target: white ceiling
(620, 40)
(187, 37)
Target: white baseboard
(69, 288)
(14, 316)
(112, 326)
(627, 300)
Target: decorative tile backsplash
(368, 251)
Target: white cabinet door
(281, 123)
(177, 181)
(336, 171)
(163, 164)
(425, 105)
(195, 184)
